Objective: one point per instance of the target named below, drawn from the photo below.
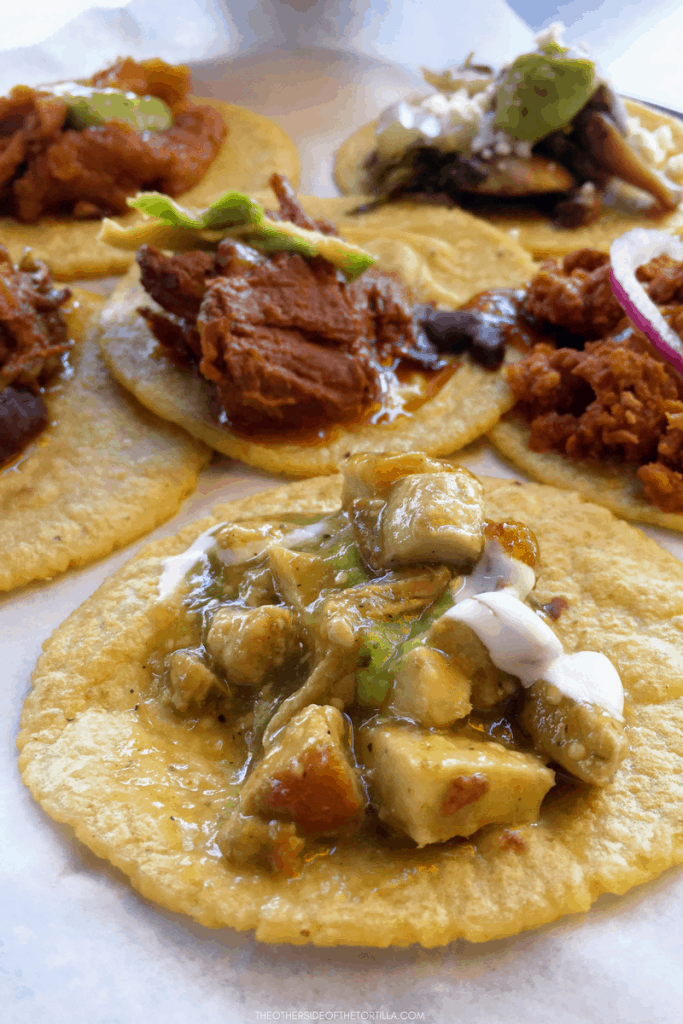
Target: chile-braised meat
(286, 340)
(33, 335)
(48, 167)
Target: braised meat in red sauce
(47, 167)
(612, 396)
(33, 337)
(286, 341)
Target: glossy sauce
(403, 390)
(503, 310)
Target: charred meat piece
(177, 283)
(276, 374)
(287, 341)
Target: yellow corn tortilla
(535, 231)
(467, 257)
(610, 483)
(104, 471)
(254, 148)
(147, 796)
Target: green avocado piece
(542, 93)
(143, 113)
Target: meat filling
(286, 340)
(614, 397)
(33, 335)
(47, 167)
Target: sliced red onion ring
(628, 253)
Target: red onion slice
(627, 253)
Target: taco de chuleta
(544, 148)
(408, 706)
(278, 342)
(599, 407)
(71, 153)
(83, 467)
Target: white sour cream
(588, 677)
(517, 639)
(496, 570)
(176, 568)
(521, 643)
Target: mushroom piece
(615, 155)
(511, 176)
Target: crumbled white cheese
(551, 35)
(652, 147)
(448, 123)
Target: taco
(73, 152)
(381, 723)
(83, 467)
(598, 407)
(544, 149)
(283, 346)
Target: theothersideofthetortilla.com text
(340, 1015)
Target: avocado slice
(92, 109)
(543, 92)
(232, 215)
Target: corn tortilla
(446, 264)
(612, 484)
(254, 148)
(102, 473)
(148, 797)
(535, 231)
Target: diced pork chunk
(434, 517)
(190, 680)
(434, 786)
(247, 643)
(257, 586)
(584, 738)
(467, 652)
(373, 476)
(344, 617)
(308, 776)
(246, 839)
(364, 514)
(299, 577)
(430, 690)
(243, 541)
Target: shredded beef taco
(598, 408)
(408, 706)
(278, 342)
(543, 148)
(71, 153)
(83, 467)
